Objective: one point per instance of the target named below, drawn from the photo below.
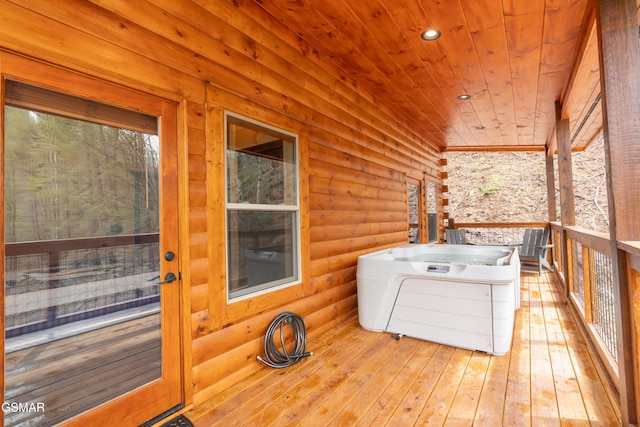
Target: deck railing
(590, 284)
(588, 278)
(55, 282)
(497, 232)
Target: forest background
(511, 187)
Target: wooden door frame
(50, 77)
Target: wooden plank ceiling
(514, 58)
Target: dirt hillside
(511, 186)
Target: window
(262, 207)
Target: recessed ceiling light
(464, 97)
(430, 34)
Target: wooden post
(565, 177)
(617, 22)
(565, 169)
(551, 206)
(551, 187)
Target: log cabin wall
(355, 155)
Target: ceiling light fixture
(464, 97)
(430, 34)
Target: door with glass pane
(414, 207)
(91, 265)
(432, 212)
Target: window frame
(276, 285)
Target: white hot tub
(459, 295)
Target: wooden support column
(551, 187)
(565, 178)
(553, 210)
(565, 169)
(617, 22)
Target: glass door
(432, 212)
(414, 207)
(91, 269)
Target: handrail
(593, 239)
(529, 224)
(631, 247)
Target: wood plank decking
(357, 377)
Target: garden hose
(278, 356)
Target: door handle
(168, 278)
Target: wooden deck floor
(356, 377)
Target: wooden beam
(620, 81)
(492, 149)
(565, 169)
(565, 178)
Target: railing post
(551, 187)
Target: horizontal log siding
(355, 155)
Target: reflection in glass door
(82, 300)
(432, 212)
(414, 207)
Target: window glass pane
(262, 250)
(262, 212)
(261, 166)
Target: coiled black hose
(278, 356)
